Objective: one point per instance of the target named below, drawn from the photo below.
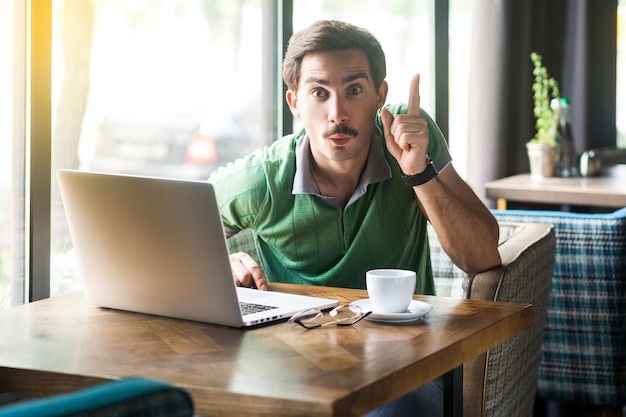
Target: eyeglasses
(344, 315)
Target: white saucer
(417, 309)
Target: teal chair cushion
(131, 397)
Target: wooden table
(63, 344)
(604, 191)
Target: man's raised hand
(406, 135)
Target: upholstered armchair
(503, 381)
(583, 357)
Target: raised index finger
(414, 96)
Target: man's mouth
(339, 140)
(340, 134)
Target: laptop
(157, 246)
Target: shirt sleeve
(240, 188)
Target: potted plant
(543, 146)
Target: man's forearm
(466, 229)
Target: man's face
(337, 102)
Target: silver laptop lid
(157, 246)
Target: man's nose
(337, 113)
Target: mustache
(340, 129)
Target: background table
(62, 344)
(604, 191)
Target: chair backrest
(243, 242)
(503, 381)
(583, 357)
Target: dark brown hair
(332, 35)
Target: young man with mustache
(353, 190)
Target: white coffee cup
(390, 290)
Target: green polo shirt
(304, 238)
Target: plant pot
(542, 159)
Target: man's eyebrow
(350, 78)
(355, 77)
(316, 80)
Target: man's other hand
(246, 272)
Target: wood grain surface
(62, 344)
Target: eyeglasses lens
(341, 316)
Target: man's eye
(354, 90)
(318, 93)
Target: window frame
(38, 144)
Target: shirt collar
(376, 167)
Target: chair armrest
(503, 381)
(485, 285)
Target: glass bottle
(566, 159)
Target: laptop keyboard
(249, 308)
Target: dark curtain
(577, 40)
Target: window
(6, 112)
(149, 87)
(12, 147)
(621, 74)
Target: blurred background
(177, 88)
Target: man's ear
(382, 93)
(292, 101)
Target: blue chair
(131, 397)
(583, 356)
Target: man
(353, 190)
